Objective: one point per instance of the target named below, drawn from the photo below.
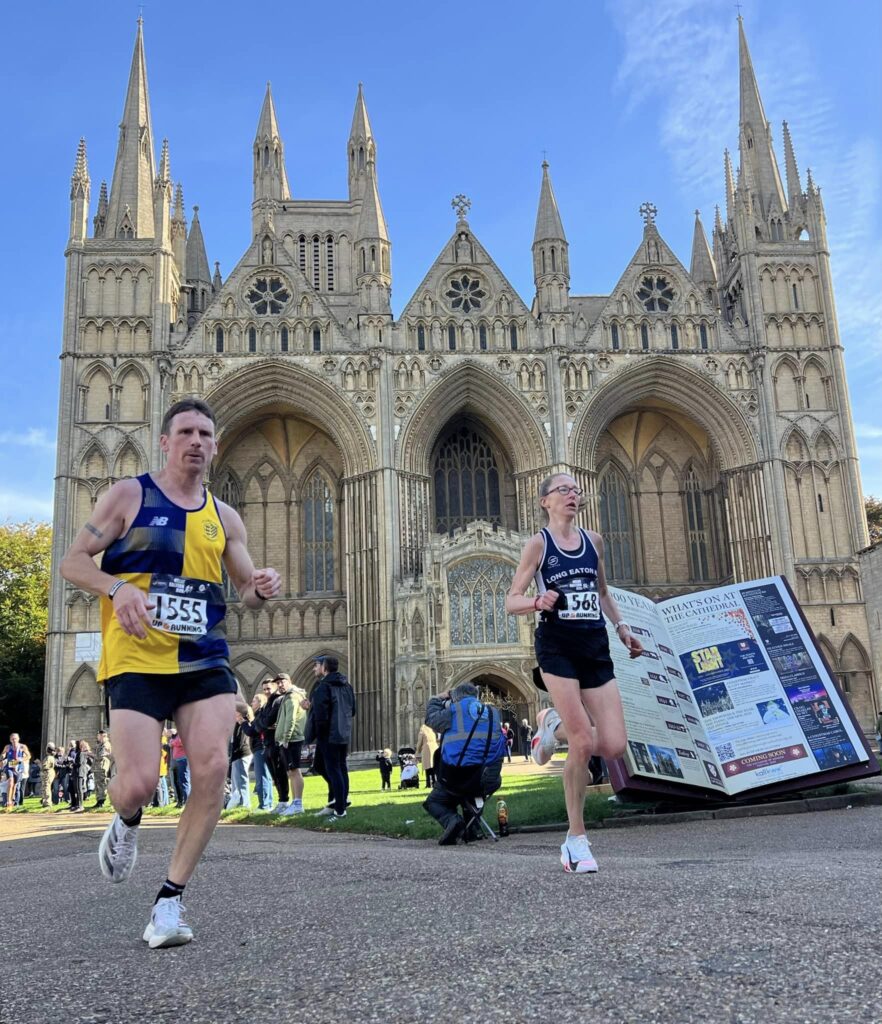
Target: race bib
(581, 606)
(181, 605)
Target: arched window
(615, 524)
(466, 480)
(219, 340)
(451, 337)
(795, 297)
(553, 260)
(696, 526)
(543, 261)
(228, 491)
(477, 590)
(316, 264)
(421, 338)
(329, 260)
(482, 337)
(318, 535)
(316, 339)
(614, 336)
(363, 260)
(675, 336)
(284, 339)
(513, 334)
(302, 254)
(644, 337)
(702, 334)
(252, 339)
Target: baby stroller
(410, 773)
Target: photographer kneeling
(469, 758)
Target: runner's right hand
(132, 609)
(547, 601)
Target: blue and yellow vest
(475, 734)
(174, 555)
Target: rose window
(465, 293)
(656, 294)
(268, 295)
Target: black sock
(134, 821)
(169, 891)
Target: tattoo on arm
(93, 530)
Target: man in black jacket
(265, 720)
(329, 726)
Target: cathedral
(388, 466)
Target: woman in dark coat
(82, 766)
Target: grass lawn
(531, 799)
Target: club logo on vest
(159, 521)
(210, 530)
(552, 561)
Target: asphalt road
(773, 919)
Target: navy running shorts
(577, 654)
(159, 696)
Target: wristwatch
(115, 587)
(618, 625)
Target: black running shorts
(159, 696)
(578, 654)
(291, 753)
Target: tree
(25, 550)
(873, 508)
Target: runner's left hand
(635, 648)
(266, 582)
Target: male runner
(164, 652)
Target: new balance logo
(159, 521)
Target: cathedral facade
(388, 467)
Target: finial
(195, 209)
(697, 213)
(462, 204)
(647, 212)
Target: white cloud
(18, 506)
(866, 430)
(33, 437)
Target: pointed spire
(270, 176)
(80, 181)
(794, 186)
(718, 222)
(130, 212)
(217, 281)
(164, 174)
(757, 153)
(100, 220)
(179, 205)
(361, 148)
(179, 232)
(548, 222)
(197, 260)
(730, 185)
(371, 222)
(702, 269)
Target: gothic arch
(698, 397)
(277, 385)
(795, 447)
(524, 689)
(88, 467)
(128, 447)
(251, 685)
(472, 389)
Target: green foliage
(873, 508)
(25, 550)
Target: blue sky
(630, 99)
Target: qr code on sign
(725, 751)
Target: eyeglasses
(566, 490)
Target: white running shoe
(543, 743)
(576, 855)
(295, 807)
(167, 926)
(118, 850)
(280, 808)
(325, 812)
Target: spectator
(62, 770)
(331, 711)
(33, 788)
(526, 731)
(470, 756)
(83, 761)
(47, 776)
(161, 797)
(267, 722)
(101, 768)
(180, 767)
(426, 745)
(263, 780)
(71, 759)
(240, 759)
(384, 759)
(290, 726)
(508, 733)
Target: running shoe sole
(158, 940)
(543, 744)
(104, 860)
(579, 867)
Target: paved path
(732, 922)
